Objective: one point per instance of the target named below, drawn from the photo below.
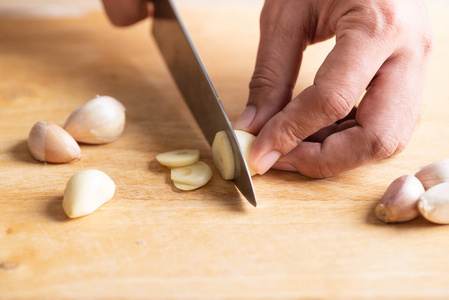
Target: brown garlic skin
(399, 203)
(99, 121)
(434, 173)
(48, 142)
(434, 204)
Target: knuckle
(385, 145)
(335, 105)
(292, 132)
(428, 43)
(264, 77)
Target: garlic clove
(48, 142)
(86, 191)
(434, 173)
(434, 204)
(99, 121)
(399, 203)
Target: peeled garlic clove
(197, 174)
(48, 142)
(99, 121)
(399, 203)
(434, 204)
(86, 191)
(223, 155)
(178, 158)
(434, 173)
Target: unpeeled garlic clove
(48, 142)
(99, 121)
(434, 204)
(434, 173)
(399, 203)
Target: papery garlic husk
(48, 142)
(399, 203)
(99, 121)
(434, 173)
(434, 204)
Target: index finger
(126, 12)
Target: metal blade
(194, 84)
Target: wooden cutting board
(306, 239)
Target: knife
(196, 87)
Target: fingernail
(246, 118)
(267, 161)
(284, 167)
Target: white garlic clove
(99, 121)
(86, 191)
(434, 173)
(399, 203)
(48, 142)
(223, 155)
(434, 204)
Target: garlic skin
(48, 142)
(86, 191)
(434, 173)
(99, 121)
(434, 204)
(399, 203)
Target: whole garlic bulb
(434, 173)
(50, 143)
(99, 121)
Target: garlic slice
(223, 156)
(178, 158)
(99, 121)
(197, 174)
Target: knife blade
(194, 83)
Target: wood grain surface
(307, 239)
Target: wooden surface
(307, 238)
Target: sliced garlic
(186, 187)
(246, 141)
(86, 191)
(223, 155)
(434, 204)
(398, 204)
(48, 142)
(434, 173)
(178, 158)
(197, 174)
(99, 121)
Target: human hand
(382, 47)
(127, 12)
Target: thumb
(282, 41)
